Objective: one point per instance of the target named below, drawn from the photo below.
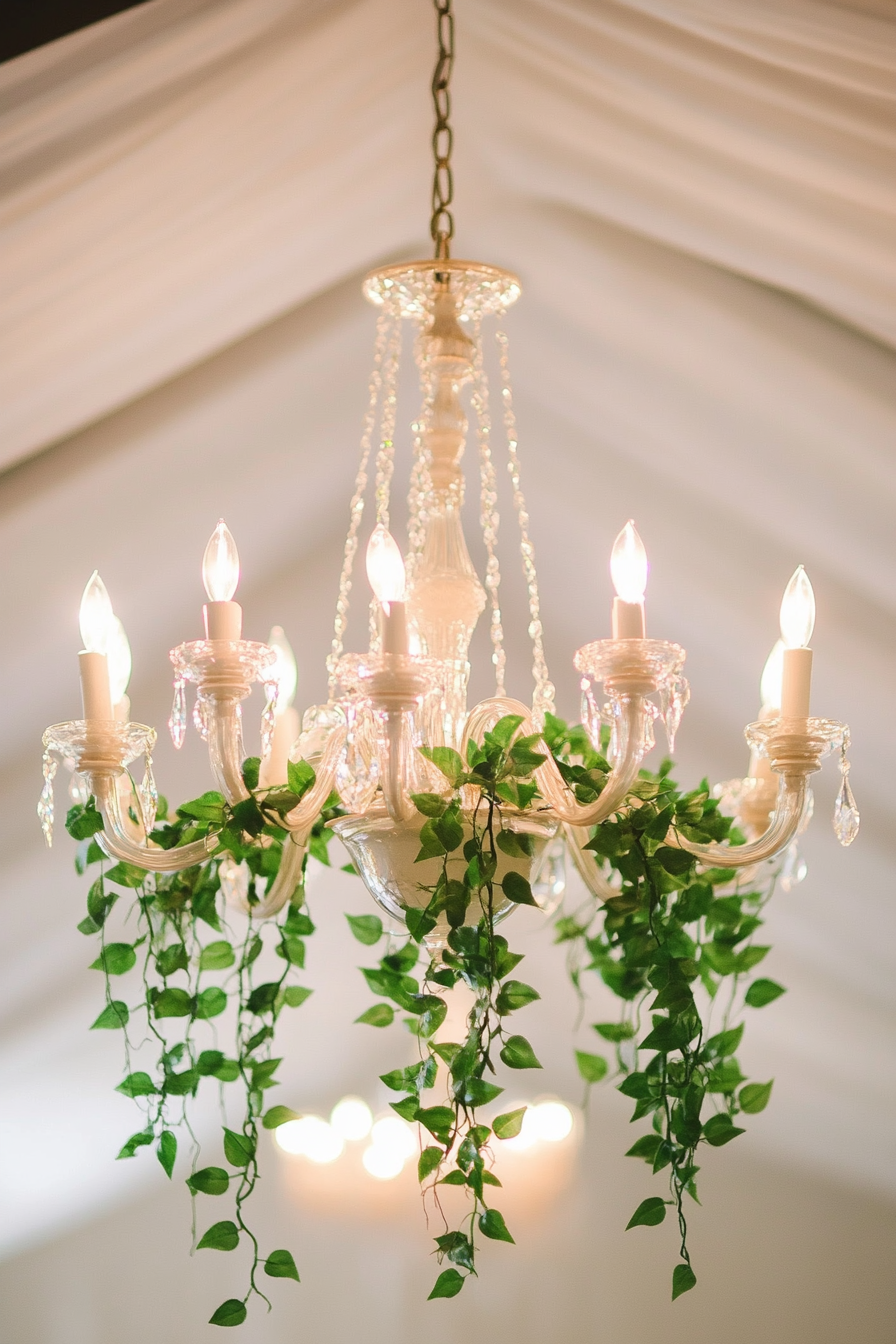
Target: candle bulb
(770, 698)
(797, 624)
(274, 768)
(386, 572)
(95, 619)
(628, 568)
(221, 574)
(118, 654)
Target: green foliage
(281, 1265)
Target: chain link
(441, 225)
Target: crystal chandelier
(408, 690)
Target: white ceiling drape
(699, 197)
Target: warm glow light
(551, 1121)
(119, 654)
(96, 616)
(310, 1137)
(772, 674)
(628, 565)
(393, 1135)
(798, 611)
(385, 567)
(351, 1118)
(382, 1163)
(527, 1137)
(221, 565)
(284, 671)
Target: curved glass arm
(394, 780)
(115, 841)
(300, 820)
(631, 739)
(586, 865)
(289, 875)
(225, 747)
(782, 828)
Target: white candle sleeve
(628, 619)
(394, 628)
(796, 683)
(223, 620)
(95, 694)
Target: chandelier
(396, 738)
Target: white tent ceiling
(699, 198)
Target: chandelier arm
(394, 780)
(586, 866)
(782, 828)
(115, 841)
(289, 877)
(300, 820)
(225, 749)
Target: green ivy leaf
(209, 1181)
(293, 951)
(231, 1312)
(517, 1053)
(295, 995)
(649, 1213)
(429, 804)
(137, 1085)
(239, 1149)
(114, 1015)
(446, 760)
(762, 992)
(171, 959)
(646, 1147)
(140, 1140)
(115, 959)
(720, 1129)
(300, 777)
(407, 1108)
(380, 1015)
(250, 772)
(216, 956)
(515, 994)
(428, 1162)
(262, 998)
(448, 1284)
(280, 1265)
(507, 1126)
(677, 862)
(478, 1092)
(683, 1280)
(278, 1115)
(223, 1236)
(172, 1003)
(83, 821)
(126, 875)
(209, 1062)
(591, 1067)
(491, 1224)
(517, 889)
(755, 1097)
(210, 807)
(167, 1151)
(439, 1120)
(614, 1031)
(368, 929)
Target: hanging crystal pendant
(674, 696)
(200, 717)
(177, 724)
(793, 869)
(234, 879)
(846, 814)
(78, 789)
(549, 886)
(268, 718)
(149, 796)
(45, 807)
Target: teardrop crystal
(268, 719)
(45, 806)
(78, 789)
(674, 696)
(149, 796)
(200, 718)
(177, 724)
(550, 884)
(846, 814)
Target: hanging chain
(441, 225)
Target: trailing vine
(173, 1014)
(685, 936)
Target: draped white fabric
(699, 197)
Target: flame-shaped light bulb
(118, 652)
(284, 671)
(96, 617)
(385, 567)
(221, 565)
(628, 565)
(798, 611)
(772, 675)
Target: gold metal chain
(441, 225)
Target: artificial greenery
(675, 941)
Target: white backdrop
(698, 196)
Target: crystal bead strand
(488, 514)
(420, 489)
(543, 700)
(45, 805)
(385, 458)
(149, 795)
(384, 325)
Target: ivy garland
(671, 929)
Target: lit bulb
(221, 565)
(96, 616)
(310, 1137)
(551, 1121)
(382, 1163)
(628, 565)
(391, 1135)
(772, 676)
(385, 567)
(351, 1118)
(118, 651)
(798, 611)
(284, 671)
